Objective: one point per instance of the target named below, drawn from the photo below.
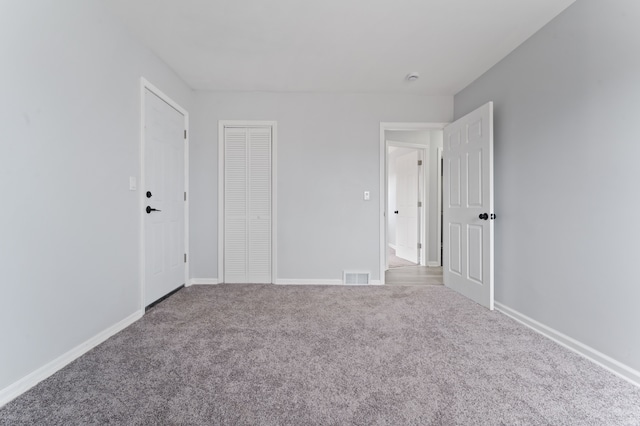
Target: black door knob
(149, 194)
(484, 216)
(149, 210)
(396, 212)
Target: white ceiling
(333, 45)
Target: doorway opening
(411, 203)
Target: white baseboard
(619, 369)
(286, 281)
(393, 246)
(433, 264)
(27, 382)
(204, 281)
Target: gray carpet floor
(307, 355)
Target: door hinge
(419, 162)
(185, 258)
(419, 203)
(185, 195)
(419, 245)
(185, 133)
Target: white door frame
(389, 126)
(423, 216)
(274, 193)
(146, 85)
(440, 206)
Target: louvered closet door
(247, 221)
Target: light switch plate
(132, 183)
(367, 195)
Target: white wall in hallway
(69, 226)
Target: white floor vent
(356, 278)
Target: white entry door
(164, 181)
(247, 204)
(468, 205)
(407, 221)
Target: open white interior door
(407, 221)
(468, 205)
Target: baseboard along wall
(619, 369)
(287, 281)
(21, 386)
(204, 281)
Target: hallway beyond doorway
(395, 261)
(414, 275)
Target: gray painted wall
(567, 170)
(69, 226)
(328, 154)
